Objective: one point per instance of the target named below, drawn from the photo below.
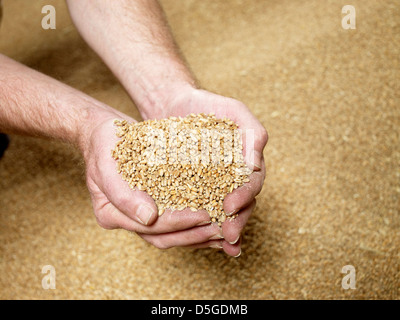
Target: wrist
(159, 102)
(92, 117)
(155, 87)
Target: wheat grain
(162, 158)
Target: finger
(110, 217)
(232, 228)
(252, 156)
(244, 195)
(215, 244)
(254, 137)
(171, 221)
(233, 250)
(254, 141)
(184, 238)
(129, 202)
(135, 204)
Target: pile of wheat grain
(191, 162)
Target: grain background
(329, 99)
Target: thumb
(254, 141)
(135, 204)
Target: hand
(241, 200)
(116, 205)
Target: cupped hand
(116, 205)
(241, 200)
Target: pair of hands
(117, 206)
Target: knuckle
(103, 219)
(172, 219)
(168, 216)
(202, 234)
(103, 223)
(161, 245)
(122, 201)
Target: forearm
(34, 104)
(134, 40)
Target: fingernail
(258, 167)
(232, 213)
(254, 166)
(237, 239)
(144, 213)
(258, 158)
(203, 223)
(253, 160)
(217, 236)
(240, 252)
(216, 246)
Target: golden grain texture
(183, 162)
(329, 99)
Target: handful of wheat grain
(191, 162)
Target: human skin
(133, 39)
